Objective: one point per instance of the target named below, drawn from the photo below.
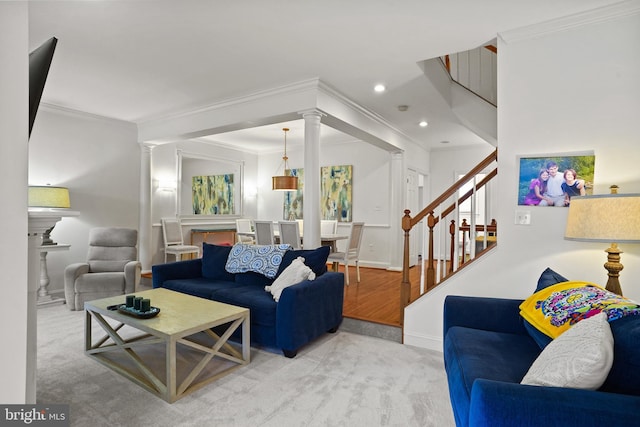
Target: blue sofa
(488, 349)
(304, 311)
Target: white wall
(98, 159)
(559, 91)
(14, 87)
(447, 163)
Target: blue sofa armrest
(489, 314)
(308, 310)
(498, 404)
(176, 270)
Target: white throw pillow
(579, 358)
(295, 273)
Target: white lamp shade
(49, 197)
(613, 218)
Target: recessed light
(423, 124)
(379, 88)
(444, 142)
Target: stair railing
(444, 227)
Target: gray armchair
(111, 268)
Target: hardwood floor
(377, 297)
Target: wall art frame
(336, 192)
(537, 172)
(214, 184)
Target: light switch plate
(523, 217)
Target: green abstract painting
(336, 183)
(213, 195)
(293, 199)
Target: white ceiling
(142, 60)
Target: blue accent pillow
(315, 259)
(214, 258)
(263, 259)
(547, 278)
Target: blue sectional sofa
(303, 312)
(488, 349)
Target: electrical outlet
(523, 217)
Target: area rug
(341, 379)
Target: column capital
(312, 113)
(146, 147)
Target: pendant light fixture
(285, 182)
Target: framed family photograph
(552, 179)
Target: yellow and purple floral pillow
(556, 308)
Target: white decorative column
(398, 197)
(144, 220)
(39, 222)
(311, 209)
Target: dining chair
(264, 232)
(290, 233)
(174, 240)
(244, 225)
(328, 226)
(351, 253)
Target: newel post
(405, 286)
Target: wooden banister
(432, 220)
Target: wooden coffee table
(183, 319)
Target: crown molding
(296, 87)
(601, 14)
(53, 108)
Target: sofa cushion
(263, 259)
(624, 376)
(198, 286)
(260, 303)
(295, 273)
(253, 279)
(474, 353)
(579, 358)
(316, 259)
(556, 308)
(214, 258)
(546, 279)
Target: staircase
(452, 242)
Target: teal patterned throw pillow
(263, 259)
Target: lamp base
(613, 268)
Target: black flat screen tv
(39, 64)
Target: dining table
(325, 239)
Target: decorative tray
(122, 308)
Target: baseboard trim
(423, 341)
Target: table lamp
(611, 218)
(48, 197)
